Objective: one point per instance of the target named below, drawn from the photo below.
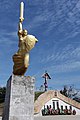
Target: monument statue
(19, 99)
(26, 43)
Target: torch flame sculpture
(26, 43)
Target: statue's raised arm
(26, 43)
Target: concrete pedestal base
(19, 101)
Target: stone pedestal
(19, 101)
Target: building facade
(56, 101)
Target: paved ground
(0, 118)
(62, 117)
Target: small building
(56, 101)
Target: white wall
(60, 103)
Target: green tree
(2, 94)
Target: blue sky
(56, 24)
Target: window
(62, 107)
(57, 105)
(54, 105)
(70, 107)
(66, 107)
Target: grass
(37, 94)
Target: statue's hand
(20, 32)
(21, 19)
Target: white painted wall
(60, 103)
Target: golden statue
(26, 43)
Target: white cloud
(65, 19)
(65, 54)
(7, 37)
(61, 15)
(62, 60)
(65, 67)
